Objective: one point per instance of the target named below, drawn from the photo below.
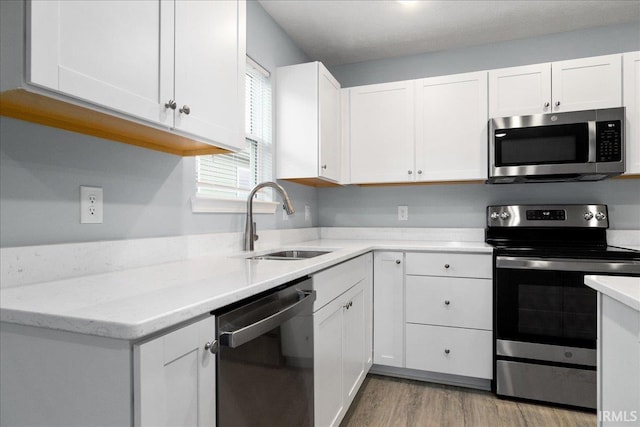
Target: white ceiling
(347, 31)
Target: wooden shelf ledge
(36, 108)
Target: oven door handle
(243, 335)
(566, 264)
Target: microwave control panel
(609, 141)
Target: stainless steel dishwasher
(265, 359)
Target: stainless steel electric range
(544, 315)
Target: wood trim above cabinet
(32, 107)
(312, 182)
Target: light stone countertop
(134, 303)
(624, 289)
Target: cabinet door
(631, 100)
(174, 378)
(353, 346)
(451, 127)
(388, 309)
(330, 149)
(382, 133)
(368, 313)
(587, 83)
(210, 70)
(520, 91)
(327, 363)
(117, 55)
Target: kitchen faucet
(250, 227)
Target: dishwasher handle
(243, 335)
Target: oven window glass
(542, 145)
(547, 307)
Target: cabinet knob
(171, 104)
(447, 266)
(347, 305)
(546, 104)
(185, 109)
(419, 172)
(409, 172)
(324, 166)
(447, 302)
(397, 261)
(447, 351)
(212, 346)
(557, 103)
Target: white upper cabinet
(112, 54)
(381, 133)
(210, 60)
(587, 83)
(519, 91)
(631, 100)
(573, 85)
(308, 123)
(451, 127)
(176, 64)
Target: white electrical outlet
(307, 213)
(91, 205)
(403, 213)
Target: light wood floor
(385, 401)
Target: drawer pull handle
(447, 351)
(447, 302)
(447, 266)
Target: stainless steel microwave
(573, 146)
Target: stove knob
(494, 216)
(588, 215)
(600, 216)
(504, 215)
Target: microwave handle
(593, 143)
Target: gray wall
(555, 47)
(464, 205)
(146, 193)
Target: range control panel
(577, 216)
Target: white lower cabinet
(388, 309)
(85, 380)
(447, 350)
(433, 316)
(175, 378)
(449, 314)
(342, 350)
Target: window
(232, 176)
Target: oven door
(546, 329)
(543, 306)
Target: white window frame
(208, 203)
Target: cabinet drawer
(457, 351)
(332, 282)
(449, 301)
(449, 264)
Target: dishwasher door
(265, 360)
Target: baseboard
(432, 377)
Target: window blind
(234, 175)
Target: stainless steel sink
(291, 255)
